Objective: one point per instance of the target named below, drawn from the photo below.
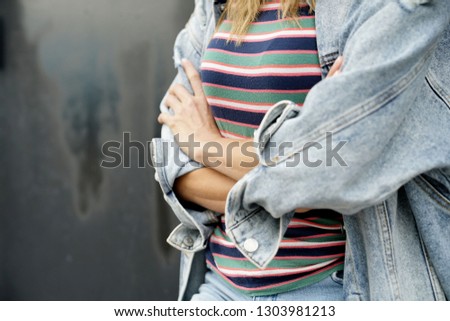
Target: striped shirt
(276, 60)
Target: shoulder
(204, 8)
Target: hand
(192, 122)
(336, 68)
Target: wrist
(211, 150)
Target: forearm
(207, 188)
(204, 187)
(232, 158)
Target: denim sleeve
(168, 159)
(188, 45)
(352, 144)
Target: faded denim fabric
(217, 289)
(394, 118)
(191, 236)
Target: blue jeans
(216, 289)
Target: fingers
(336, 68)
(193, 76)
(164, 118)
(180, 92)
(172, 102)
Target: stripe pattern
(312, 248)
(276, 60)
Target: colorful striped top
(276, 60)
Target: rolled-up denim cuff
(254, 231)
(197, 224)
(186, 240)
(271, 122)
(170, 161)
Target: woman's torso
(277, 60)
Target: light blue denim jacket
(391, 105)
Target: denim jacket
(391, 107)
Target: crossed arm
(225, 160)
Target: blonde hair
(242, 13)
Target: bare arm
(230, 157)
(225, 160)
(195, 130)
(204, 187)
(207, 188)
(197, 134)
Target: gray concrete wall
(74, 75)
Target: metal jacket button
(188, 241)
(251, 245)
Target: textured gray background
(73, 75)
